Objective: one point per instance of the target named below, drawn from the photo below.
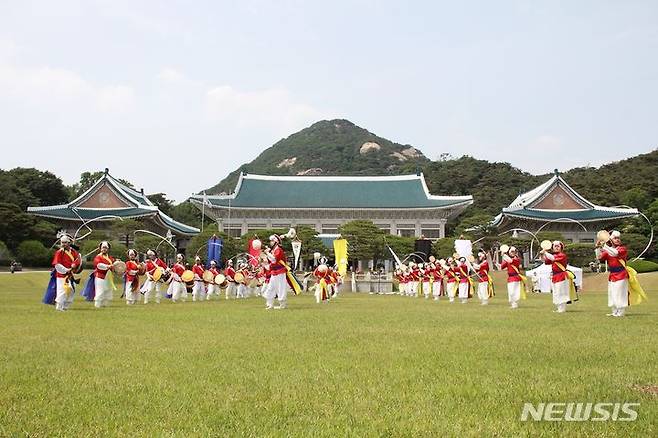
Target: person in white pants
(437, 285)
(102, 265)
(177, 288)
(152, 288)
(615, 254)
(229, 272)
(482, 268)
(199, 288)
(512, 263)
(131, 290)
(452, 279)
(65, 261)
(278, 285)
(464, 281)
(561, 284)
(425, 280)
(213, 289)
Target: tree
(34, 253)
(43, 231)
(123, 230)
(230, 245)
(160, 201)
(636, 198)
(365, 240)
(5, 254)
(87, 180)
(45, 187)
(188, 214)
(14, 225)
(401, 246)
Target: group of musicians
(244, 281)
(458, 277)
(455, 277)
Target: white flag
(296, 250)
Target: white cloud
(47, 86)
(273, 109)
(170, 75)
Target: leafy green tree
(635, 197)
(34, 253)
(87, 180)
(365, 240)
(401, 246)
(124, 230)
(230, 245)
(14, 225)
(188, 214)
(44, 231)
(5, 254)
(160, 200)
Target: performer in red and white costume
(615, 255)
(482, 268)
(278, 286)
(425, 279)
(452, 279)
(213, 289)
(464, 280)
(66, 260)
(150, 286)
(199, 288)
(131, 290)
(415, 279)
(241, 291)
(177, 288)
(321, 274)
(512, 263)
(102, 264)
(437, 283)
(229, 272)
(558, 261)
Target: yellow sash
(296, 287)
(523, 281)
(635, 290)
(490, 287)
(572, 286)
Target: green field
(363, 365)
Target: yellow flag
(340, 251)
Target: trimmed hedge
(644, 266)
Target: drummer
(212, 287)
(453, 277)
(199, 288)
(229, 272)
(131, 284)
(150, 285)
(512, 263)
(241, 279)
(557, 258)
(177, 288)
(485, 290)
(69, 259)
(102, 264)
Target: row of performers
(247, 280)
(454, 277)
(459, 276)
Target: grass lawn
(364, 365)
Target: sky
(174, 95)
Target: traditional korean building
(399, 205)
(556, 207)
(108, 199)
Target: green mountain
(330, 147)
